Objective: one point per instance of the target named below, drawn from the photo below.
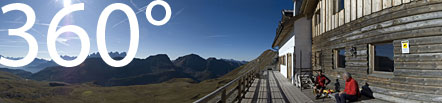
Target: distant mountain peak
(12, 58)
(159, 58)
(190, 57)
(191, 62)
(163, 56)
(66, 57)
(111, 54)
(211, 58)
(192, 54)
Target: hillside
(34, 66)
(18, 72)
(202, 69)
(175, 90)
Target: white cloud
(36, 23)
(64, 40)
(133, 3)
(178, 12)
(140, 10)
(12, 46)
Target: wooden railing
(239, 84)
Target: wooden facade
(417, 75)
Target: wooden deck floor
(272, 87)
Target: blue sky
(231, 29)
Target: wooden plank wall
(420, 22)
(353, 9)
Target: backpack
(366, 91)
(337, 86)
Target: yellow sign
(405, 46)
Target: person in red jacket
(351, 91)
(321, 82)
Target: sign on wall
(405, 46)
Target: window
(338, 5)
(298, 5)
(318, 17)
(318, 59)
(381, 57)
(282, 60)
(341, 5)
(339, 58)
(321, 59)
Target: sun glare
(66, 3)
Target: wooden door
(289, 66)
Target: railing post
(223, 96)
(239, 90)
(248, 79)
(251, 78)
(245, 82)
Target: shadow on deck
(272, 87)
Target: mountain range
(15, 89)
(35, 66)
(40, 64)
(153, 69)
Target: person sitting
(351, 91)
(321, 82)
